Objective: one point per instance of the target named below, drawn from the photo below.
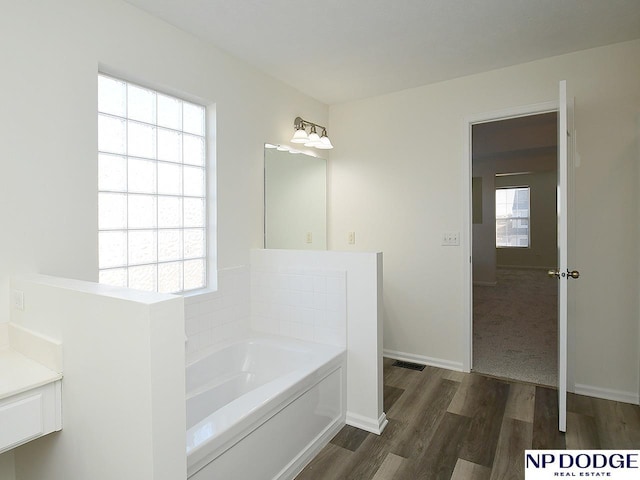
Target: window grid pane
(152, 189)
(512, 217)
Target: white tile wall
(215, 317)
(300, 303)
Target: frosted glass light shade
(314, 140)
(300, 136)
(324, 143)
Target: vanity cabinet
(30, 400)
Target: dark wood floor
(450, 425)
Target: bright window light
(512, 217)
(151, 189)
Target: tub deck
(282, 397)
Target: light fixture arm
(300, 123)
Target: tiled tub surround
(288, 292)
(325, 297)
(212, 318)
(307, 304)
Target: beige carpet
(515, 327)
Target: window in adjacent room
(151, 189)
(512, 217)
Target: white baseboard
(367, 424)
(480, 283)
(422, 360)
(608, 394)
(588, 390)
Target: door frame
(467, 235)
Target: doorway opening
(514, 244)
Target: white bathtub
(261, 408)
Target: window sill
(197, 293)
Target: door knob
(557, 274)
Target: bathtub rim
(292, 386)
(295, 345)
(255, 335)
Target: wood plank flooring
(448, 425)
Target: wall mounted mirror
(295, 200)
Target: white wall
(123, 413)
(484, 233)
(542, 251)
(48, 120)
(396, 179)
(48, 179)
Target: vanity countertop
(19, 373)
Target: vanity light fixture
(325, 143)
(312, 139)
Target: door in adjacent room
(514, 170)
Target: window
(151, 189)
(512, 217)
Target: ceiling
(529, 134)
(341, 50)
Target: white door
(563, 274)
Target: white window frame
(515, 217)
(183, 262)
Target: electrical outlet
(309, 237)
(451, 238)
(351, 238)
(17, 299)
